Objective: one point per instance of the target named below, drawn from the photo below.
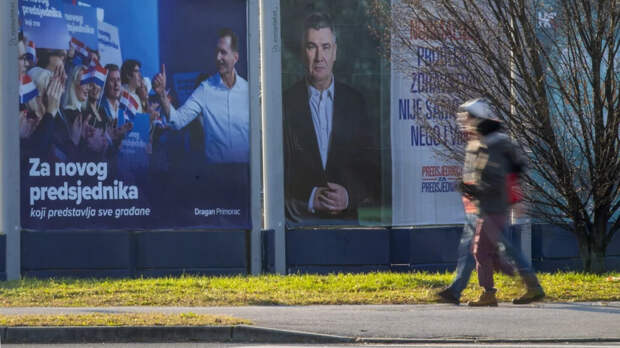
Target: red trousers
(486, 251)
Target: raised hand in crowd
(95, 139)
(117, 134)
(78, 128)
(159, 81)
(54, 91)
(159, 85)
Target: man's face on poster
(226, 57)
(320, 55)
(113, 85)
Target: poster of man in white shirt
(213, 185)
(222, 100)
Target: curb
(235, 334)
(104, 334)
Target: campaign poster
(42, 22)
(423, 120)
(105, 141)
(82, 24)
(109, 44)
(335, 111)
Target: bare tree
(551, 69)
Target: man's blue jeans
(465, 263)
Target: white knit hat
(480, 108)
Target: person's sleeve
(518, 159)
(311, 201)
(189, 111)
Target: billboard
(105, 142)
(333, 111)
(423, 120)
(360, 132)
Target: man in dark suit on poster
(330, 145)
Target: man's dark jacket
(352, 160)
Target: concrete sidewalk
(542, 322)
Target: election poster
(42, 22)
(364, 118)
(335, 110)
(109, 44)
(109, 139)
(423, 120)
(82, 24)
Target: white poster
(109, 44)
(424, 185)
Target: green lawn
(371, 288)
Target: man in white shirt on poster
(223, 102)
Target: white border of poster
(423, 185)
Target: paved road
(218, 345)
(569, 321)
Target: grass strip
(120, 319)
(299, 289)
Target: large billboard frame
(10, 149)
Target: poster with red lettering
(425, 61)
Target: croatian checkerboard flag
(97, 73)
(80, 50)
(27, 90)
(31, 51)
(128, 104)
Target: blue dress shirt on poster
(225, 115)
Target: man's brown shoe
(487, 299)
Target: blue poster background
(184, 84)
(159, 178)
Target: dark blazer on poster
(352, 160)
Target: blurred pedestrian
(490, 158)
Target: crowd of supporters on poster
(112, 133)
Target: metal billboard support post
(255, 132)
(524, 222)
(273, 164)
(9, 138)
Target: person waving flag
(129, 105)
(96, 73)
